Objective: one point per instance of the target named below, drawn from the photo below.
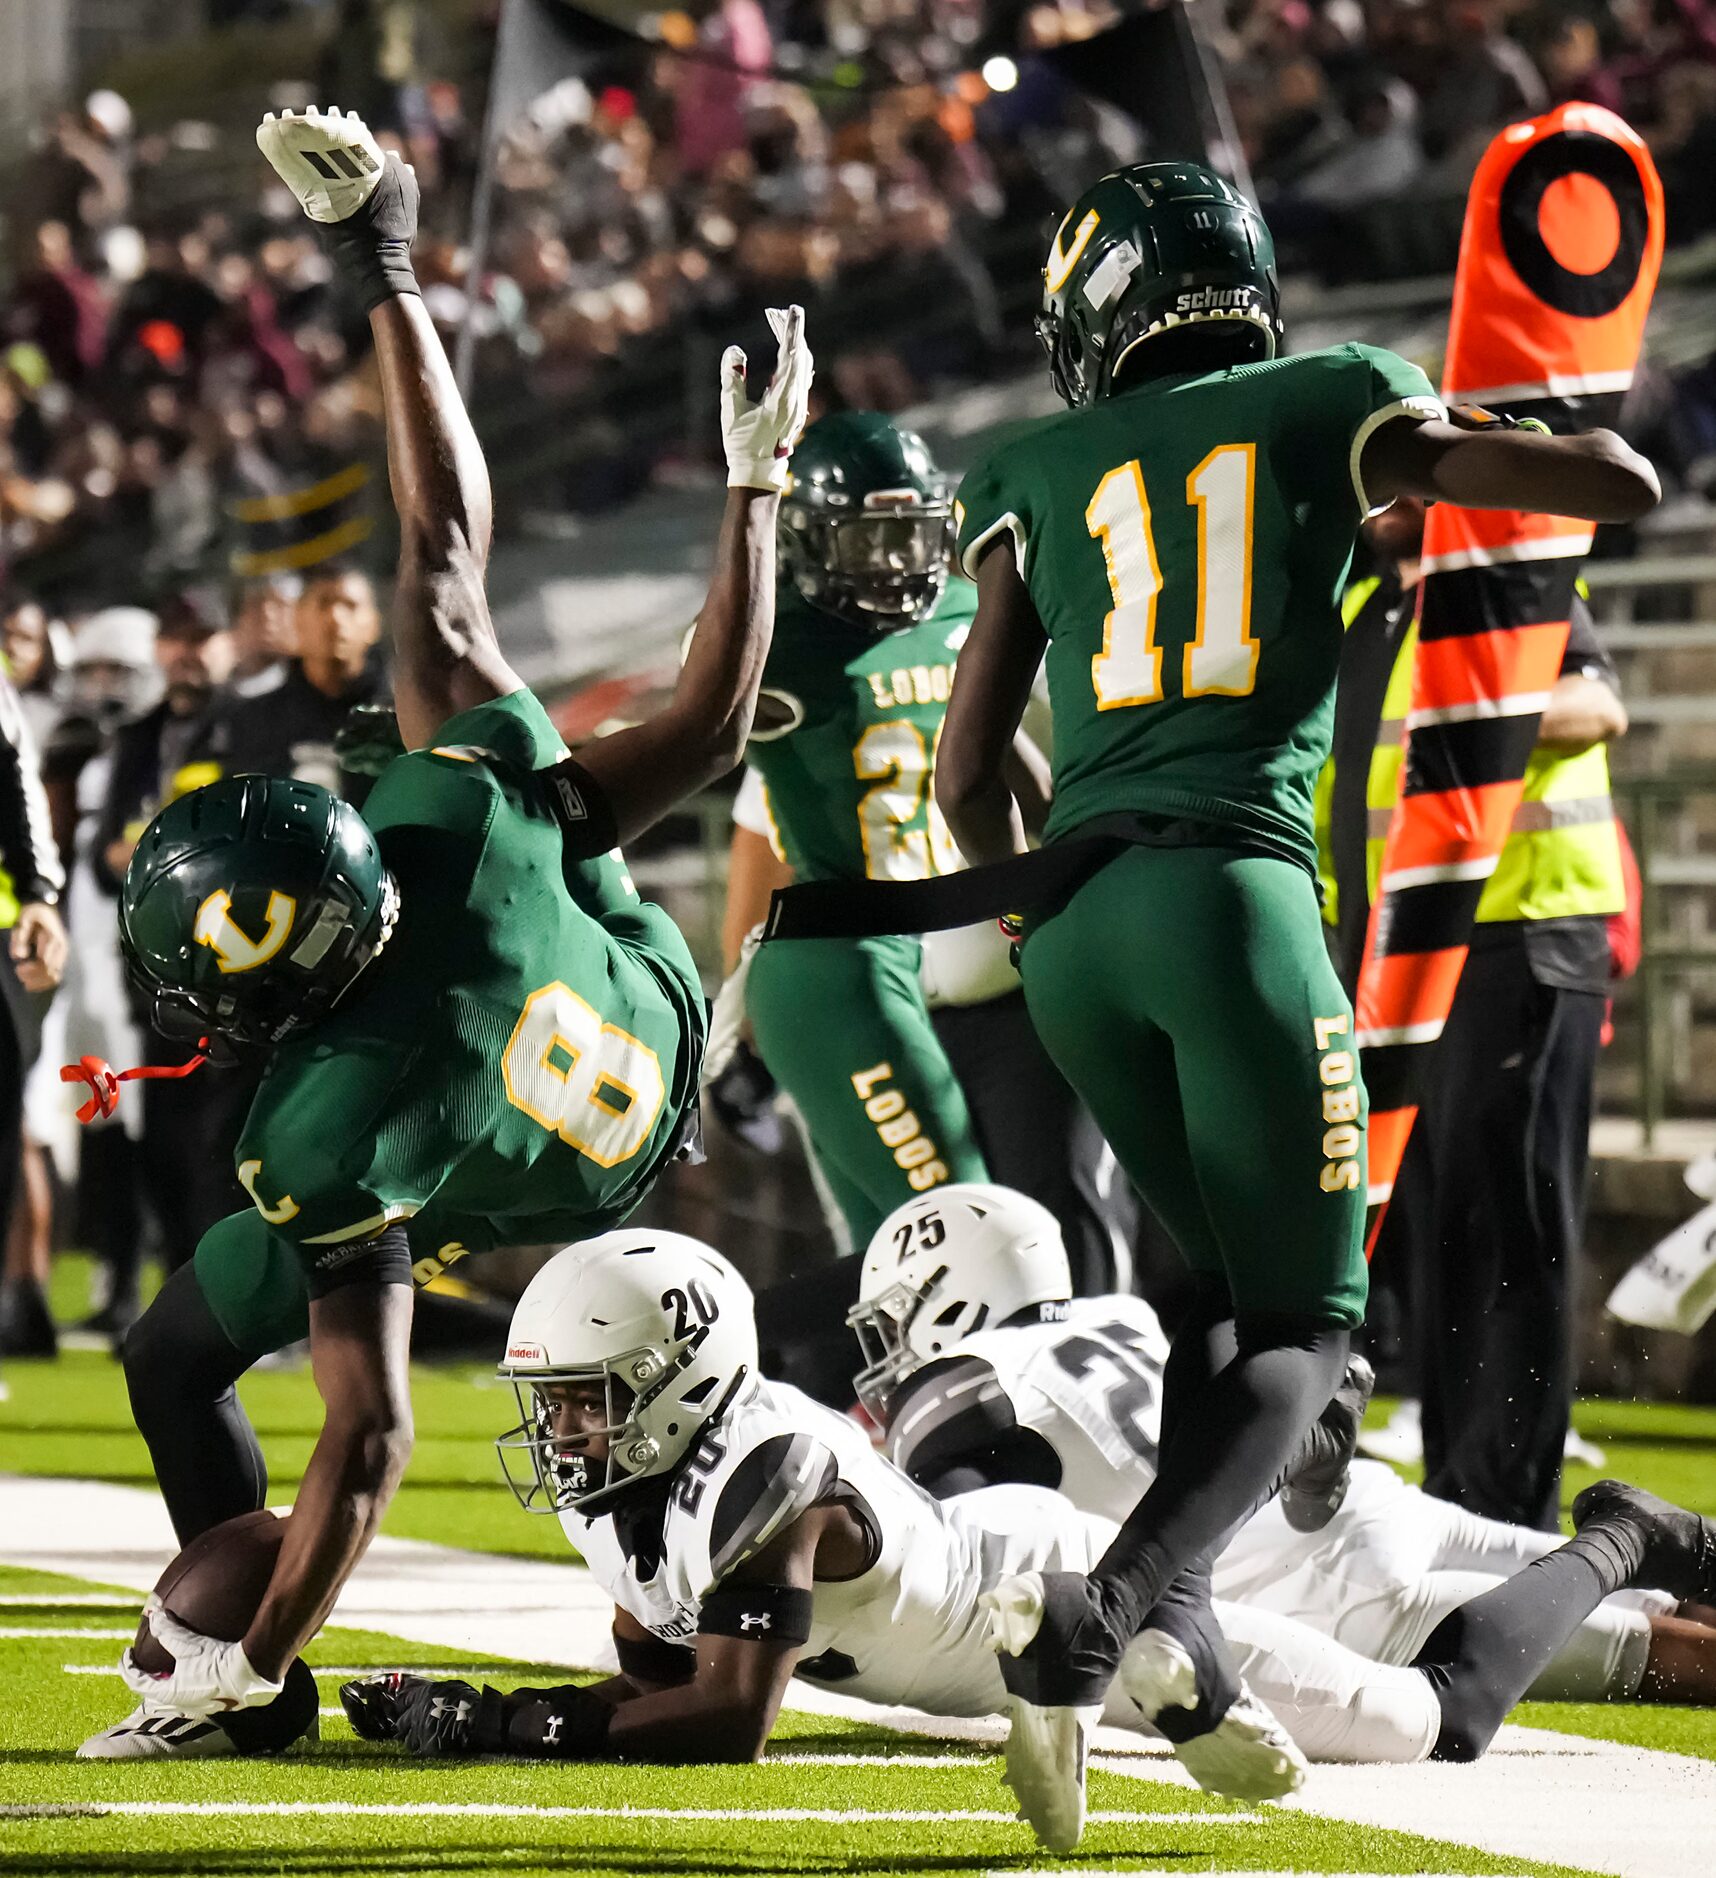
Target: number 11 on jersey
(1221, 658)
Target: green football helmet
(1154, 250)
(866, 527)
(250, 907)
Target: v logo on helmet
(235, 949)
(1061, 261)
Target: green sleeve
(1386, 387)
(516, 728)
(990, 502)
(312, 1155)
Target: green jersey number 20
(1221, 660)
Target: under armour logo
(555, 1724)
(459, 1710)
(754, 1620)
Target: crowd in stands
(188, 424)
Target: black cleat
(1676, 1549)
(1315, 1487)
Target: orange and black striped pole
(1558, 262)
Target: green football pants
(842, 1026)
(1187, 995)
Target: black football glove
(425, 1716)
(368, 740)
(371, 1704)
(437, 1717)
(743, 1098)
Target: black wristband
(566, 1723)
(373, 246)
(758, 1613)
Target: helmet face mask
(866, 528)
(961, 1258)
(661, 1326)
(546, 1472)
(1160, 267)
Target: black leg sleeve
(1224, 1450)
(801, 1330)
(1038, 1137)
(180, 1367)
(1482, 1658)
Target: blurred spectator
(191, 1127)
(289, 730)
(30, 967)
(33, 650)
(264, 632)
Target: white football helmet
(958, 1259)
(662, 1322)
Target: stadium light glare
(1000, 73)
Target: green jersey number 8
(1220, 661)
(594, 1085)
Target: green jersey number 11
(1221, 659)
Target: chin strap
(104, 1081)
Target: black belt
(1034, 883)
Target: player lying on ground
(1176, 543)
(748, 1534)
(480, 1035)
(984, 1368)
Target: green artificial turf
(50, 1711)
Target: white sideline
(1540, 1797)
(484, 1809)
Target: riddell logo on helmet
(524, 1352)
(1209, 299)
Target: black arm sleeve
(953, 1429)
(383, 1260)
(1586, 654)
(27, 850)
(650, 1659)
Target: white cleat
(1047, 1748)
(328, 159)
(158, 1734)
(1247, 1755)
(163, 1734)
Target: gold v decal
(1061, 262)
(237, 952)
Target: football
(215, 1584)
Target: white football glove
(727, 1018)
(759, 437)
(328, 159)
(207, 1676)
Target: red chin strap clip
(104, 1081)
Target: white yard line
(1540, 1797)
(481, 1809)
(14, 1632)
(65, 1600)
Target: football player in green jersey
(896, 1097)
(478, 1034)
(1175, 543)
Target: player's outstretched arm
(446, 656)
(1597, 477)
(991, 685)
(753, 1627)
(360, 1344)
(700, 734)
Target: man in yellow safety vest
(1488, 1213)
